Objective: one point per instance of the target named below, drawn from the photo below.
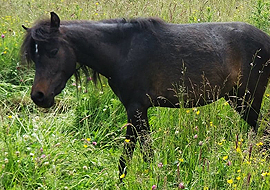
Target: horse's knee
(129, 146)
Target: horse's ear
(24, 27)
(55, 20)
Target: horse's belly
(191, 95)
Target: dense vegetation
(77, 143)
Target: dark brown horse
(152, 63)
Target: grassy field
(77, 143)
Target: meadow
(76, 144)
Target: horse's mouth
(45, 103)
(45, 99)
(41, 99)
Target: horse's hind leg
(137, 129)
(247, 102)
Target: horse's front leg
(129, 146)
(137, 129)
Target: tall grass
(77, 143)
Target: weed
(260, 16)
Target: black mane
(141, 23)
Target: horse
(149, 62)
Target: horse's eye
(53, 52)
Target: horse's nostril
(38, 96)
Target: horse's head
(54, 60)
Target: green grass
(77, 143)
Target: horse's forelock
(41, 31)
(27, 47)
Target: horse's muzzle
(41, 100)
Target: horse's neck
(97, 45)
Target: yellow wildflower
(238, 177)
(264, 174)
(225, 157)
(247, 162)
(259, 144)
(181, 160)
(211, 123)
(230, 181)
(238, 171)
(10, 116)
(85, 146)
(122, 176)
(187, 111)
(238, 149)
(198, 112)
(88, 139)
(127, 140)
